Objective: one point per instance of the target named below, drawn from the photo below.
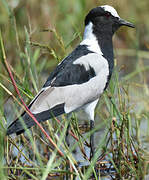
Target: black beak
(122, 22)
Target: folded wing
(72, 85)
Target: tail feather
(20, 125)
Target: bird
(78, 80)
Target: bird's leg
(92, 144)
(89, 109)
(67, 142)
(67, 135)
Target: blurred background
(39, 34)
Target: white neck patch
(90, 39)
(111, 10)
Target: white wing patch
(111, 10)
(47, 100)
(94, 60)
(77, 95)
(90, 39)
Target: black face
(97, 14)
(105, 20)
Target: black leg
(92, 144)
(67, 142)
(67, 135)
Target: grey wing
(80, 83)
(76, 86)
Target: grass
(34, 43)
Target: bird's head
(106, 19)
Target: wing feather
(78, 80)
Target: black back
(67, 73)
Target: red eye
(107, 14)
